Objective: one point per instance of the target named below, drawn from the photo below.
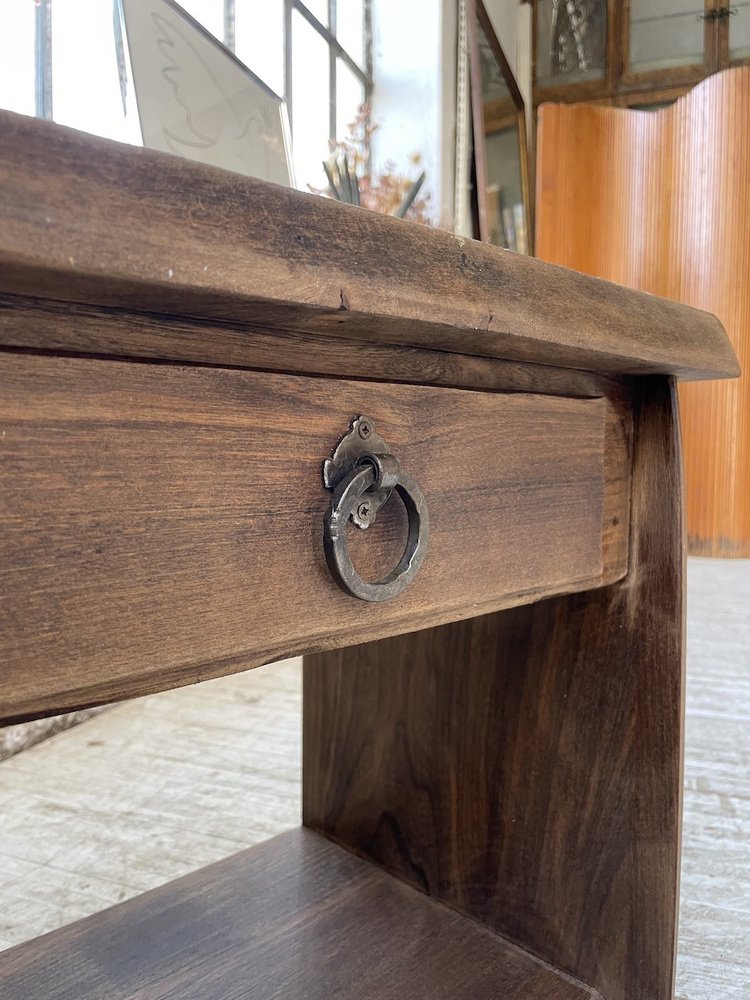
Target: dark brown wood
(86, 220)
(294, 917)
(69, 327)
(162, 524)
(525, 767)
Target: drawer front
(161, 524)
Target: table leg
(525, 766)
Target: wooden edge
(618, 457)
(65, 328)
(105, 690)
(294, 916)
(83, 219)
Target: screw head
(364, 430)
(364, 510)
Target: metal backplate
(361, 439)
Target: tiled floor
(166, 784)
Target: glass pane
(85, 81)
(665, 33)
(739, 30)
(259, 40)
(506, 217)
(350, 29)
(310, 103)
(571, 41)
(17, 56)
(209, 13)
(350, 96)
(319, 9)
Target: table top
(87, 220)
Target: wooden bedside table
(180, 351)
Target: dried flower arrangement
(350, 179)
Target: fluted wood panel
(660, 201)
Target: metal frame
(43, 59)
(478, 20)
(335, 52)
(43, 52)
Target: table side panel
(525, 767)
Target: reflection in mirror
(500, 152)
(665, 33)
(506, 217)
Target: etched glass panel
(208, 13)
(571, 41)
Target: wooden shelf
(294, 917)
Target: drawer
(161, 524)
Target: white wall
(414, 55)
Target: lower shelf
(294, 917)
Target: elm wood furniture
(492, 759)
(660, 201)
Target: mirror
(500, 150)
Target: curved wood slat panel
(660, 201)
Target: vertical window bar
(288, 60)
(229, 24)
(332, 124)
(43, 59)
(367, 27)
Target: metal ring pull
(362, 481)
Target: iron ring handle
(347, 496)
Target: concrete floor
(160, 786)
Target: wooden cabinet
(634, 53)
(492, 759)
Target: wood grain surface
(45, 325)
(163, 524)
(660, 201)
(525, 767)
(293, 917)
(87, 220)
